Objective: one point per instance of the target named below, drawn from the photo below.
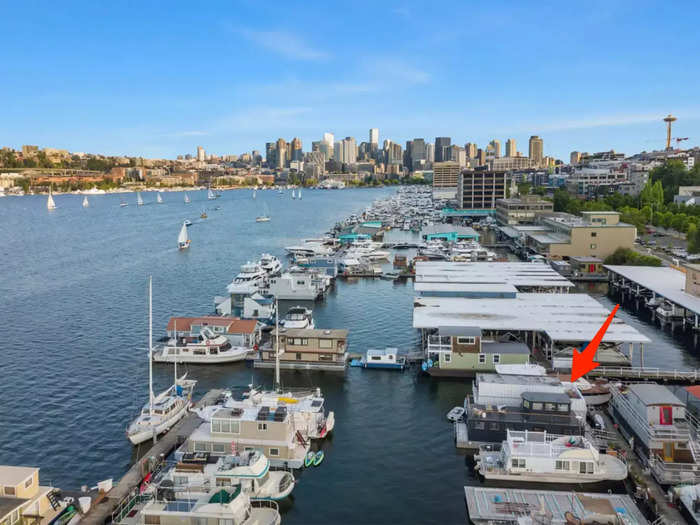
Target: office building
(374, 137)
(445, 179)
(349, 150)
(442, 146)
(480, 157)
(201, 154)
(522, 210)
(281, 154)
(430, 152)
(471, 150)
(575, 158)
(481, 189)
(536, 151)
(417, 152)
(495, 148)
(509, 163)
(328, 141)
(296, 149)
(511, 150)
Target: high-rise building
(536, 151)
(445, 179)
(295, 149)
(374, 136)
(495, 147)
(417, 151)
(338, 152)
(349, 150)
(575, 158)
(442, 145)
(481, 189)
(511, 150)
(471, 150)
(281, 155)
(430, 152)
(480, 157)
(407, 154)
(201, 154)
(328, 140)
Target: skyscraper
(495, 146)
(417, 151)
(270, 154)
(442, 145)
(296, 151)
(328, 139)
(201, 155)
(470, 148)
(536, 151)
(575, 158)
(374, 136)
(430, 152)
(511, 150)
(281, 156)
(349, 150)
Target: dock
(495, 505)
(102, 510)
(647, 374)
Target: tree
(628, 257)
(561, 200)
(524, 188)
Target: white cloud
(286, 44)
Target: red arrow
(583, 361)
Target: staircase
(301, 439)
(54, 498)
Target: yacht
(298, 317)
(165, 409)
(308, 249)
(548, 458)
(249, 279)
(249, 469)
(206, 348)
(270, 264)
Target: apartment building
(480, 189)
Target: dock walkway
(646, 373)
(101, 512)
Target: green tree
(691, 235)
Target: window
(466, 340)
(550, 407)
(325, 343)
(262, 426)
(479, 425)
(218, 448)
(151, 520)
(494, 425)
(518, 462)
(563, 407)
(225, 522)
(235, 427)
(594, 246)
(537, 406)
(201, 446)
(594, 234)
(215, 425)
(482, 358)
(561, 465)
(298, 356)
(9, 491)
(274, 452)
(585, 467)
(28, 483)
(223, 482)
(496, 358)
(447, 357)
(526, 403)
(179, 481)
(304, 342)
(325, 357)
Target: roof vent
(327, 332)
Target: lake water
(74, 304)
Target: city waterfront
(74, 289)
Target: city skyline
(258, 73)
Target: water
(74, 306)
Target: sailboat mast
(277, 345)
(175, 360)
(150, 353)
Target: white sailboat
(293, 195)
(167, 408)
(265, 217)
(187, 199)
(210, 195)
(50, 204)
(139, 200)
(183, 240)
(86, 204)
(254, 192)
(159, 198)
(299, 195)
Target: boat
(50, 204)
(159, 197)
(270, 264)
(295, 286)
(203, 215)
(123, 203)
(293, 194)
(188, 222)
(254, 193)
(298, 317)
(318, 458)
(165, 409)
(183, 240)
(309, 459)
(308, 249)
(689, 497)
(299, 195)
(262, 218)
(548, 458)
(455, 414)
(668, 311)
(86, 204)
(250, 279)
(139, 200)
(386, 358)
(187, 199)
(210, 195)
(205, 348)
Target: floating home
(23, 499)
(306, 349)
(239, 332)
(664, 433)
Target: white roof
(11, 475)
(563, 317)
(664, 281)
(464, 287)
(513, 273)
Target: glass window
(28, 483)
(448, 357)
(262, 426)
(215, 425)
(201, 446)
(493, 425)
(550, 407)
(562, 465)
(479, 425)
(235, 427)
(526, 403)
(482, 358)
(225, 522)
(304, 342)
(594, 246)
(151, 520)
(466, 340)
(536, 406)
(325, 343)
(274, 452)
(222, 482)
(9, 491)
(582, 467)
(518, 462)
(496, 358)
(298, 356)
(218, 448)
(563, 407)
(225, 426)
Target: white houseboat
(548, 458)
(205, 348)
(290, 286)
(386, 358)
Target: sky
(157, 79)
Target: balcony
(437, 344)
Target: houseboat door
(668, 451)
(666, 415)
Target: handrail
(646, 372)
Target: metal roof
(464, 287)
(460, 331)
(496, 347)
(567, 317)
(491, 273)
(653, 394)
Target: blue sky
(158, 79)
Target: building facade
(303, 348)
(536, 150)
(523, 210)
(480, 189)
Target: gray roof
(459, 331)
(546, 397)
(7, 505)
(504, 348)
(653, 394)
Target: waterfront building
(511, 149)
(306, 349)
(445, 179)
(23, 499)
(522, 210)
(481, 189)
(536, 150)
(239, 332)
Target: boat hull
(137, 438)
(203, 359)
(390, 366)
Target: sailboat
(265, 217)
(187, 199)
(183, 240)
(50, 204)
(167, 408)
(293, 195)
(139, 200)
(123, 203)
(254, 192)
(159, 198)
(210, 195)
(299, 195)
(86, 204)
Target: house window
(325, 357)
(482, 358)
(201, 446)
(9, 491)
(218, 448)
(223, 482)
(274, 452)
(447, 357)
(537, 406)
(594, 234)
(563, 407)
(298, 356)
(496, 358)
(479, 425)
(562, 465)
(225, 522)
(262, 426)
(594, 246)
(28, 483)
(325, 343)
(215, 425)
(586, 467)
(518, 462)
(494, 425)
(466, 340)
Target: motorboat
(270, 264)
(668, 311)
(249, 279)
(532, 456)
(455, 414)
(262, 218)
(308, 249)
(206, 348)
(298, 317)
(203, 215)
(188, 222)
(183, 239)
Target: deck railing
(645, 373)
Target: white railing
(439, 344)
(645, 373)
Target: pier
(103, 509)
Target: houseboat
(257, 427)
(386, 358)
(250, 470)
(205, 348)
(547, 458)
(299, 287)
(306, 349)
(462, 352)
(665, 435)
(298, 317)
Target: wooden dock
(646, 374)
(101, 511)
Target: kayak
(309, 459)
(318, 458)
